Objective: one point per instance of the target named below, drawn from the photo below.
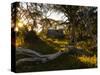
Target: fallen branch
(35, 56)
(27, 52)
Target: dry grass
(19, 41)
(89, 60)
(69, 60)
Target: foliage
(79, 29)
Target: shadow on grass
(66, 61)
(63, 62)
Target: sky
(57, 16)
(54, 15)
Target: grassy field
(70, 60)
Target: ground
(70, 60)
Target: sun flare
(20, 24)
(16, 29)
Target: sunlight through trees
(49, 28)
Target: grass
(58, 44)
(89, 60)
(65, 61)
